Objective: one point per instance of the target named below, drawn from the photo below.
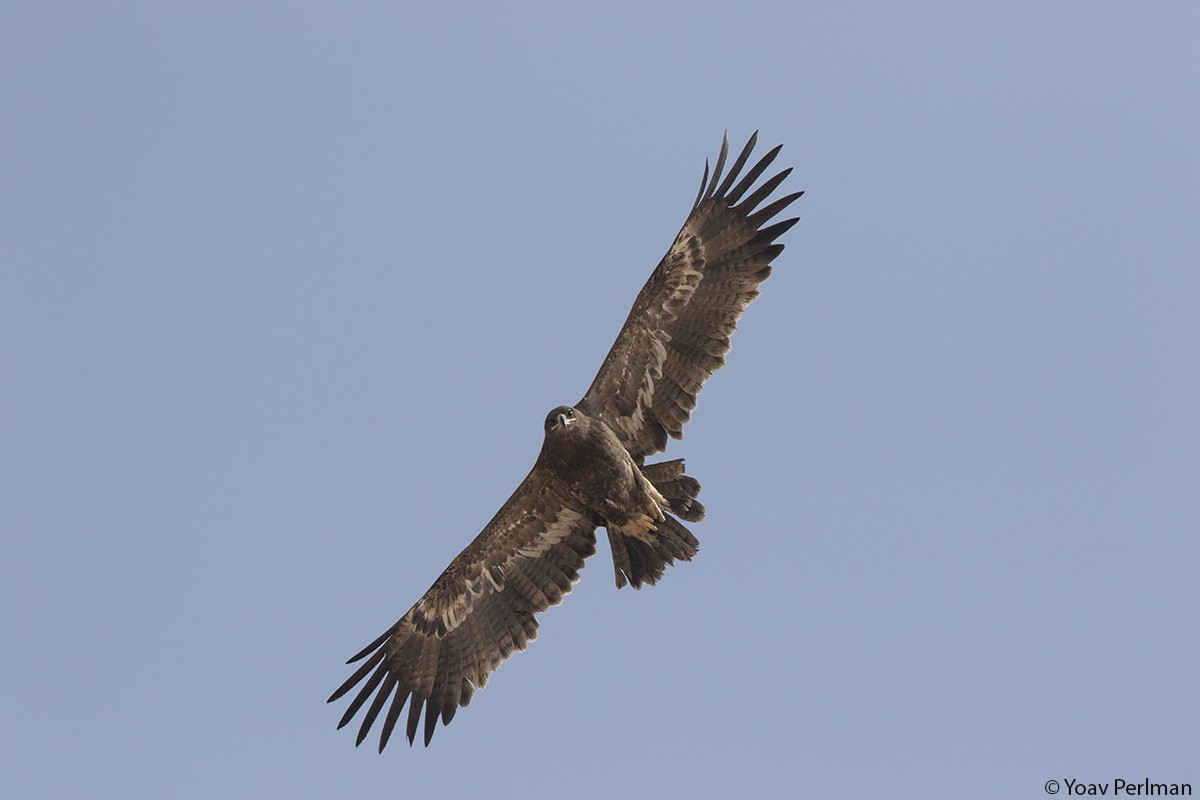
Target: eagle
(591, 470)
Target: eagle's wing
(677, 333)
(477, 613)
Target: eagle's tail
(636, 561)
(679, 489)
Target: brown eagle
(591, 470)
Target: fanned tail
(680, 490)
(638, 562)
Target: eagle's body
(584, 454)
(591, 470)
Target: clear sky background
(286, 291)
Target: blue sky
(286, 291)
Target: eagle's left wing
(478, 612)
(677, 333)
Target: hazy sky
(286, 291)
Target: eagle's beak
(563, 421)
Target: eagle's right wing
(477, 613)
(677, 333)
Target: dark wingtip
(736, 169)
(373, 646)
(389, 721)
(764, 191)
(414, 717)
(719, 168)
(433, 710)
(735, 194)
(703, 183)
(773, 232)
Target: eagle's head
(560, 419)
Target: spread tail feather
(680, 490)
(638, 562)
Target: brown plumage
(591, 470)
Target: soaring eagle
(591, 470)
